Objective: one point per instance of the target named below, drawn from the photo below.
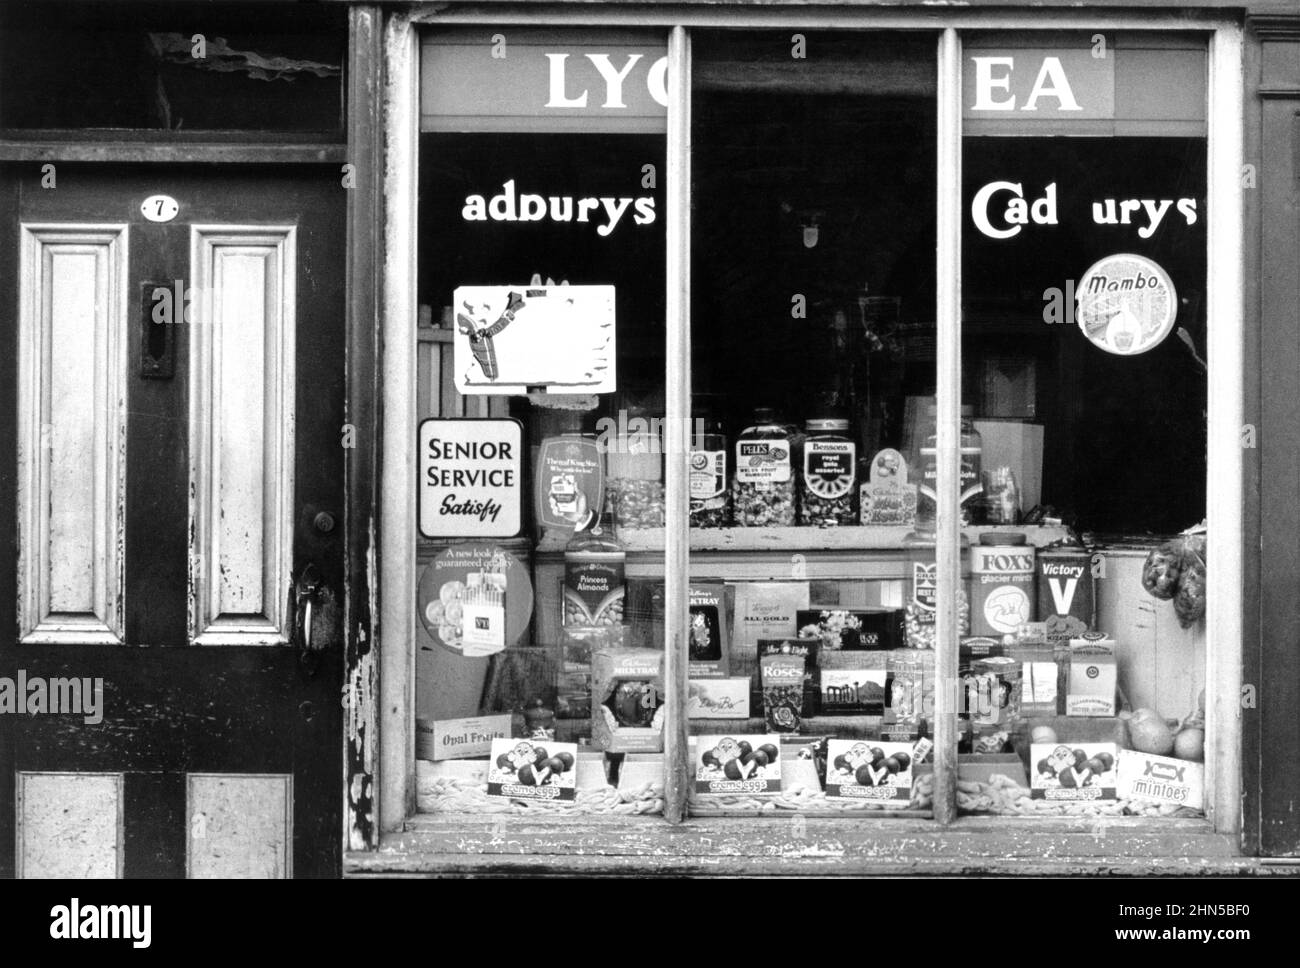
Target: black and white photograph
(413, 414)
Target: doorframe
(394, 787)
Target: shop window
(1084, 399)
(157, 67)
(813, 340)
(815, 581)
(541, 364)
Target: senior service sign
(470, 483)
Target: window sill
(442, 845)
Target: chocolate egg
(526, 775)
(1066, 777)
(1080, 757)
(540, 755)
(771, 751)
(743, 746)
(1096, 765)
(904, 760)
(555, 765)
(1107, 761)
(566, 759)
(505, 763)
(877, 754)
(842, 763)
(891, 764)
(864, 776)
(758, 757)
(732, 769)
(710, 758)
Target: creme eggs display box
(1073, 771)
(737, 764)
(869, 770)
(521, 769)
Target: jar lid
(826, 423)
(765, 415)
(1003, 538)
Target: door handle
(311, 596)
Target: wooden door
(171, 464)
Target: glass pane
(215, 67)
(541, 290)
(813, 340)
(1084, 380)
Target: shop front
(699, 438)
(884, 491)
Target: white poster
(521, 339)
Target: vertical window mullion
(948, 403)
(677, 412)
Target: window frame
(392, 753)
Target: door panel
(223, 468)
(71, 417)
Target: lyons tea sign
(469, 483)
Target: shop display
(1002, 583)
(627, 700)
(1176, 570)
(510, 338)
(1160, 779)
(527, 770)
(763, 489)
(855, 691)
(763, 610)
(710, 496)
(594, 582)
(1044, 663)
(573, 685)
(455, 739)
(783, 689)
(737, 764)
(718, 698)
(1001, 497)
(539, 721)
(569, 484)
(869, 771)
(708, 634)
(839, 628)
(1085, 771)
(483, 618)
(828, 477)
(887, 496)
(475, 599)
(807, 650)
(1092, 679)
(1149, 732)
(634, 471)
(970, 477)
(920, 590)
(1126, 304)
(906, 695)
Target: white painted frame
(1225, 302)
(208, 623)
(38, 245)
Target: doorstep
(515, 846)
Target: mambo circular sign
(1126, 304)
